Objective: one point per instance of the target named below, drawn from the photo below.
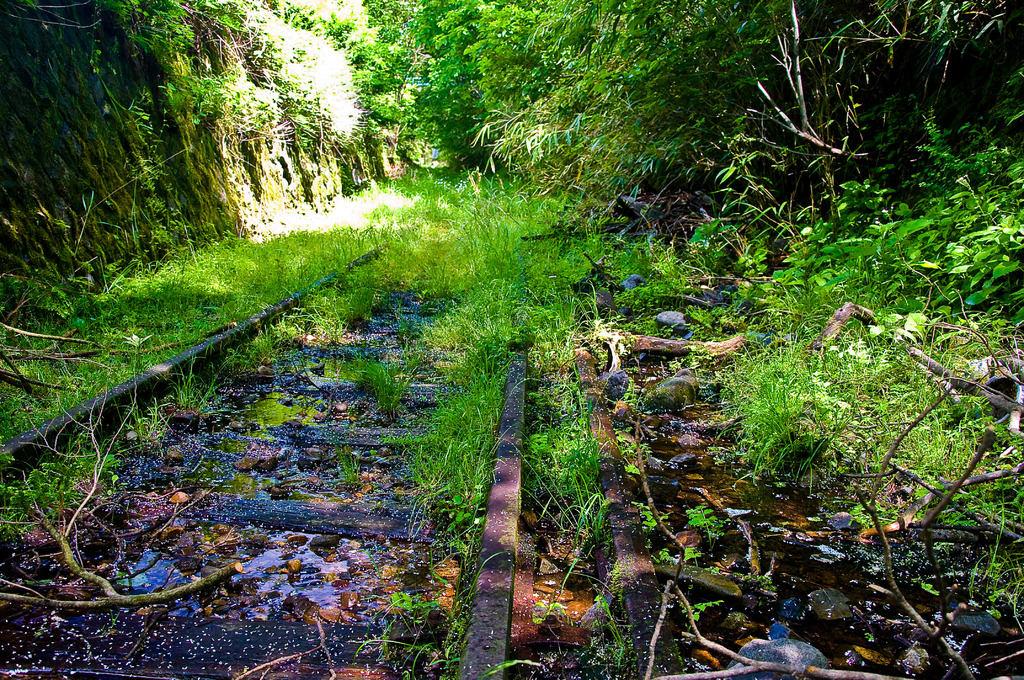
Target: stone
(623, 411)
(708, 580)
(683, 460)
(777, 631)
(663, 489)
(236, 425)
(293, 566)
(596, 618)
(655, 464)
(179, 497)
(792, 609)
(269, 463)
(265, 371)
(705, 658)
(325, 541)
(976, 621)
(173, 456)
(674, 321)
(830, 604)
(297, 539)
(633, 281)
(689, 538)
(615, 384)
(673, 394)
(914, 660)
(789, 652)
(546, 567)
(188, 565)
(844, 521)
(604, 301)
(737, 621)
(246, 463)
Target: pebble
(976, 621)
(683, 460)
(830, 604)
(792, 609)
(674, 321)
(633, 281)
(737, 621)
(914, 660)
(546, 566)
(173, 456)
(615, 384)
(325, 541)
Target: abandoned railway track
(297, 474)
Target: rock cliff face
(93, 168)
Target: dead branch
(681, 348)
(899, 440)
(112, 598)
(839, 319)
(57, 338)
(963, 384)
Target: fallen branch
(1000, 401)
(112, 598)
(680, 348)
(839, 319)
(57, 338)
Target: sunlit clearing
(344, 211)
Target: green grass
(387, 381)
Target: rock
(689, 538)
(293, 566)
(325, 541)
(236, 425)
(258, 541)
(596, 618)
(844, 521)
(674, 321)
(976, 621)
(615, 384)
(655, 464)
(792, 609)
(604, 301)
(546, 566)
(530, 519)
(246, 463)
(737, 621)
(265, 371)
(300, 606)
(297, 539)
(777, 631)
(830, 604)
(269, 463)
(208, 570)
(663, 489)
(789, 652)
(131, 436)
(179, 497)
(914, 661)
(709, 581)
(623, 411)
(705, 658)
(173, 456)
(633, 281)
(340, 408)
(188, 565)
(673, 394)
(683, 460)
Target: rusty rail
(633, 565)
(488, 637)
(100, 409)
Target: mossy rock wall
(93, 170)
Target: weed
(388, 381)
